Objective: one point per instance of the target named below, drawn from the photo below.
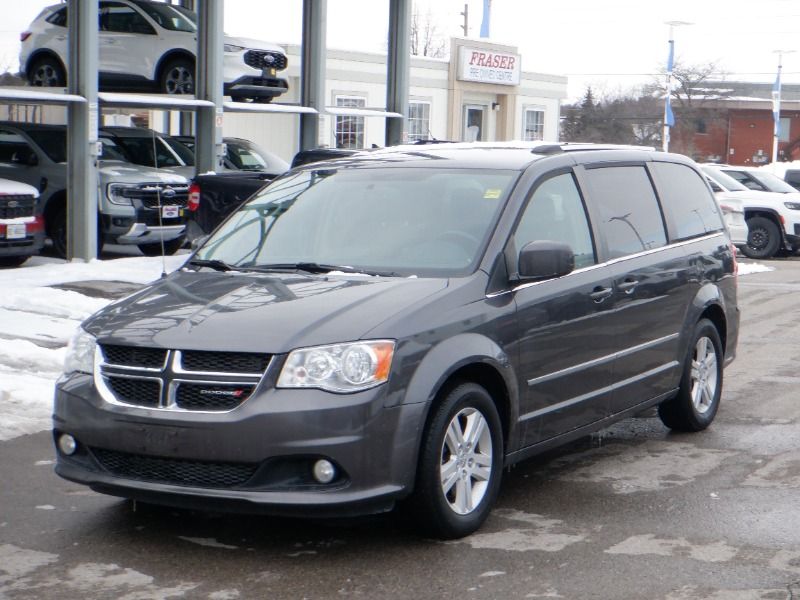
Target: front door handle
(600, 293)
(628, 286)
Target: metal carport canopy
(10, 95)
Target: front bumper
(164, 456)
(256, 87)
(29, 245)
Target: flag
(487, 17)
(669, 118)
(776, 104)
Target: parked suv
(773, 219)
(136, 205)
(402, 326)
(758, 179)
(150, 45)
(21, 226)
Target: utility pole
(465, 14)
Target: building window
(785, 134)
(534, 125)
(419, 121)
(349, 130)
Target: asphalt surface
(631, 512)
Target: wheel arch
(172, 55)
(709, 303)
(55, 202)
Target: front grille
(264, 59)
(152, 195)
(141, 392)
(201, 396)
(174, 471)
(14, 206)
(228, 362)
(134, 356)
(187, 380)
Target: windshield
(773, 183)
(185, 153)
(53, 142)
(110, 151)
(726, 181)
(252, 158)
(166, 16)
(405, 221)
(148, 151)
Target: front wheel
(695, 405)
(460, 464)
(763, 238)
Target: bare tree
(426, 39)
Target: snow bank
(747, 268)
(37, 321)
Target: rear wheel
(46, 71)
(170, 247)
(460, 464)
(695, 405)
(763, 238)
(57, 231)
(178, 77)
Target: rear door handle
(628, 286)
(601, 293)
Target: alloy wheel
(704, 375)
(466, 461)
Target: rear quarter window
(689, 208)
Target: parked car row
(153, 46)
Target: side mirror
(545, 259)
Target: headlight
(792, 205)
(80, 353)
(118, 193)
(232, 48)
(342, 368)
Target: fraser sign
(485, 66)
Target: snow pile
(780, 168)
(37, 321)
(747, 268)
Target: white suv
(151, 45)
(773, 219)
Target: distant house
(732, 122)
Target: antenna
(160, 209)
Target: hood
(246, 312)
(749, 197)
(252, 44)
(118, 171)
(16, 188)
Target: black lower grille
(201, 396)
(174, 471)
(134, 356)
(226, 362)
(142, 392)
(264, 59)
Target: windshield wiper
(312, 267)
(217, 265)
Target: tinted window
(555, 212)
(148, 151)
(728, 183)
(746, 180)
(689, 208)
(630, 218)
(52, 141)
(166, 16)
(13, 147)
(121, 18)
(58, 18)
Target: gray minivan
(401, 325)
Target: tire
(178, 77)
(12, 261)
(763, 238)
(47, 71)
(695, 405)
(455, 509)
(57, 231)
(170, 247)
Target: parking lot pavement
(631, 512)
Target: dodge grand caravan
(401, 325)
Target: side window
(556, 212)
(630, 218)
(746, 180)
(58, 18)
(120, 18)
(14, 148)
(689, 208)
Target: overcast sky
(611, 44)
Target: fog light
(324, 471)
(67, 444)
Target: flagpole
(776, 106)
(669, 119)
